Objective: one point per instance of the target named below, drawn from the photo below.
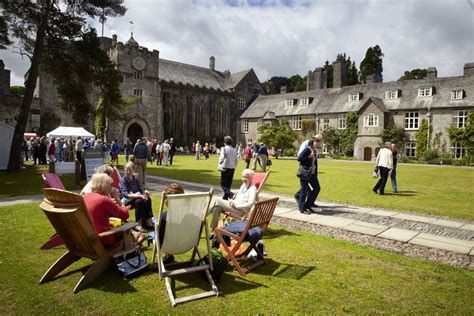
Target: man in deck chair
(185, 220)
(243, 201)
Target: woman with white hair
(100, 207)
(243, 201)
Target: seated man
(114, 193)
(243, 201)
(100, 207)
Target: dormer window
(391, 94)
(457, 94)
(289, 102)
(304, 101)
(425, 92)
(354, 97)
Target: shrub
(290, 152)
(430, 155)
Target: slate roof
(176, 72)
(236, 78)
(336, 100)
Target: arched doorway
(367, 153)
(134, 132)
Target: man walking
(79, 148)
(303, 146)
(141, 155)
(383, 163)
(393, 175)
(263, 156)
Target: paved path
(433, 232)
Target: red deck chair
(258, 181)
(53, 181)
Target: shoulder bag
(131, 263)
(303, 173)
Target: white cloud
(288, 37)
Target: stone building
(441, 101)
(178, 100)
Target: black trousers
(143, 210)
(226, 182)
(380, 186)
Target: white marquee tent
(70, 132)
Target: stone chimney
(374, 78)
(282, 89)
(339, 75)
(320, 78)
(468, 69)
(310, 81)
(431, 73)
(212, 63)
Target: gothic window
(460, 118)
(411, 120)
(220, 119)
(138, 75)
(341, 121)
(138, 93)
(241, 103)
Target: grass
(305, 274)
(436, 190)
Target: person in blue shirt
(308, 159)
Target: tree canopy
(372, 63)
(51, 33)
(278, 136)
(414, 74)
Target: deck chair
(258, 181)
(52, 180)
(185, 219)
(68, 214)
(260, 217)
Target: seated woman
(173, 188)
(108, 170)
(131, 194)
(241, 204)
(101, 207)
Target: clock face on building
(139, 63)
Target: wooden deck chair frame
(229, 216)
(166, 271)
(68, 214)
(261, 215)
(52, 180)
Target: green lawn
(305, 274)
(437, 190)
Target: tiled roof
(336, 100)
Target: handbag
(221, 165)
(131, 263)
(303, 173)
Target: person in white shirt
(228, 156)
(240, 206)
(383, 163)
(166, 150)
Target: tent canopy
(68, 132)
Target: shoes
(297, 198)
(314, 205)
(168, 259)
(375, 191)
(395, 191)
(305, 211)
(310, 210)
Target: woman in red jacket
(101, 207)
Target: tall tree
(278, 136)
(45, 28)
(414, 74)
(349, 134)
(372, 63)
(395, 134)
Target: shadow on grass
(283, 270)
(403, 193)
(271, 233)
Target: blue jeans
(393, 177)
(307, 197)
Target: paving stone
(440, 242)
(331, 221)
(281, 210)
(383, 213)
(399, 234)
(296, 215)
(447, 223)
(365, 228)
(468, 227)
(416, 218)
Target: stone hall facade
(441, 101)
(176, 100)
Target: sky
(287, 37)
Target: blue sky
(286, 37)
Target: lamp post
(428, 115)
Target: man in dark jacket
(141, 154)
